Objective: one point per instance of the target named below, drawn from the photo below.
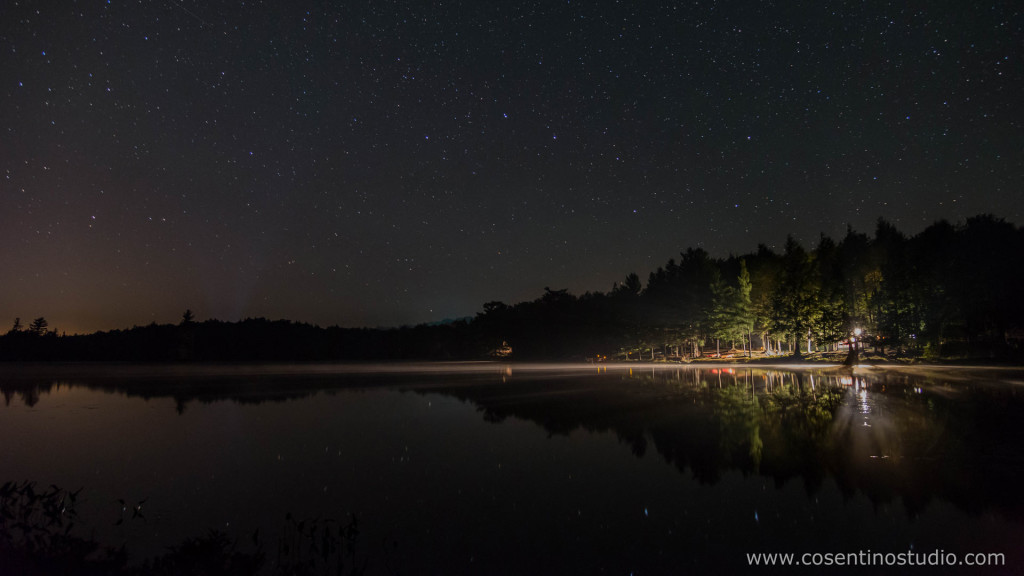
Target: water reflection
(890, 435)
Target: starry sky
(378, 163)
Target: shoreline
(14, 369)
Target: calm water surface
(498, 469)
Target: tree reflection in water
(886, 434)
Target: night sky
(381, 163)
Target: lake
(483, 468)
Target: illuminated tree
(720, 320)
(765, 271)
(795, 303)
(731, 314)
(744, 308)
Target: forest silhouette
(951, 291)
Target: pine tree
(744, 309)
(720, 318)
(795, 303)
(38, 326)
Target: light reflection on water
(496, 468)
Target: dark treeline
(949, 291)
(247, 340)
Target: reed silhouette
(38, 537)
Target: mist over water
(506, 468)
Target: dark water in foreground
(492, 469)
